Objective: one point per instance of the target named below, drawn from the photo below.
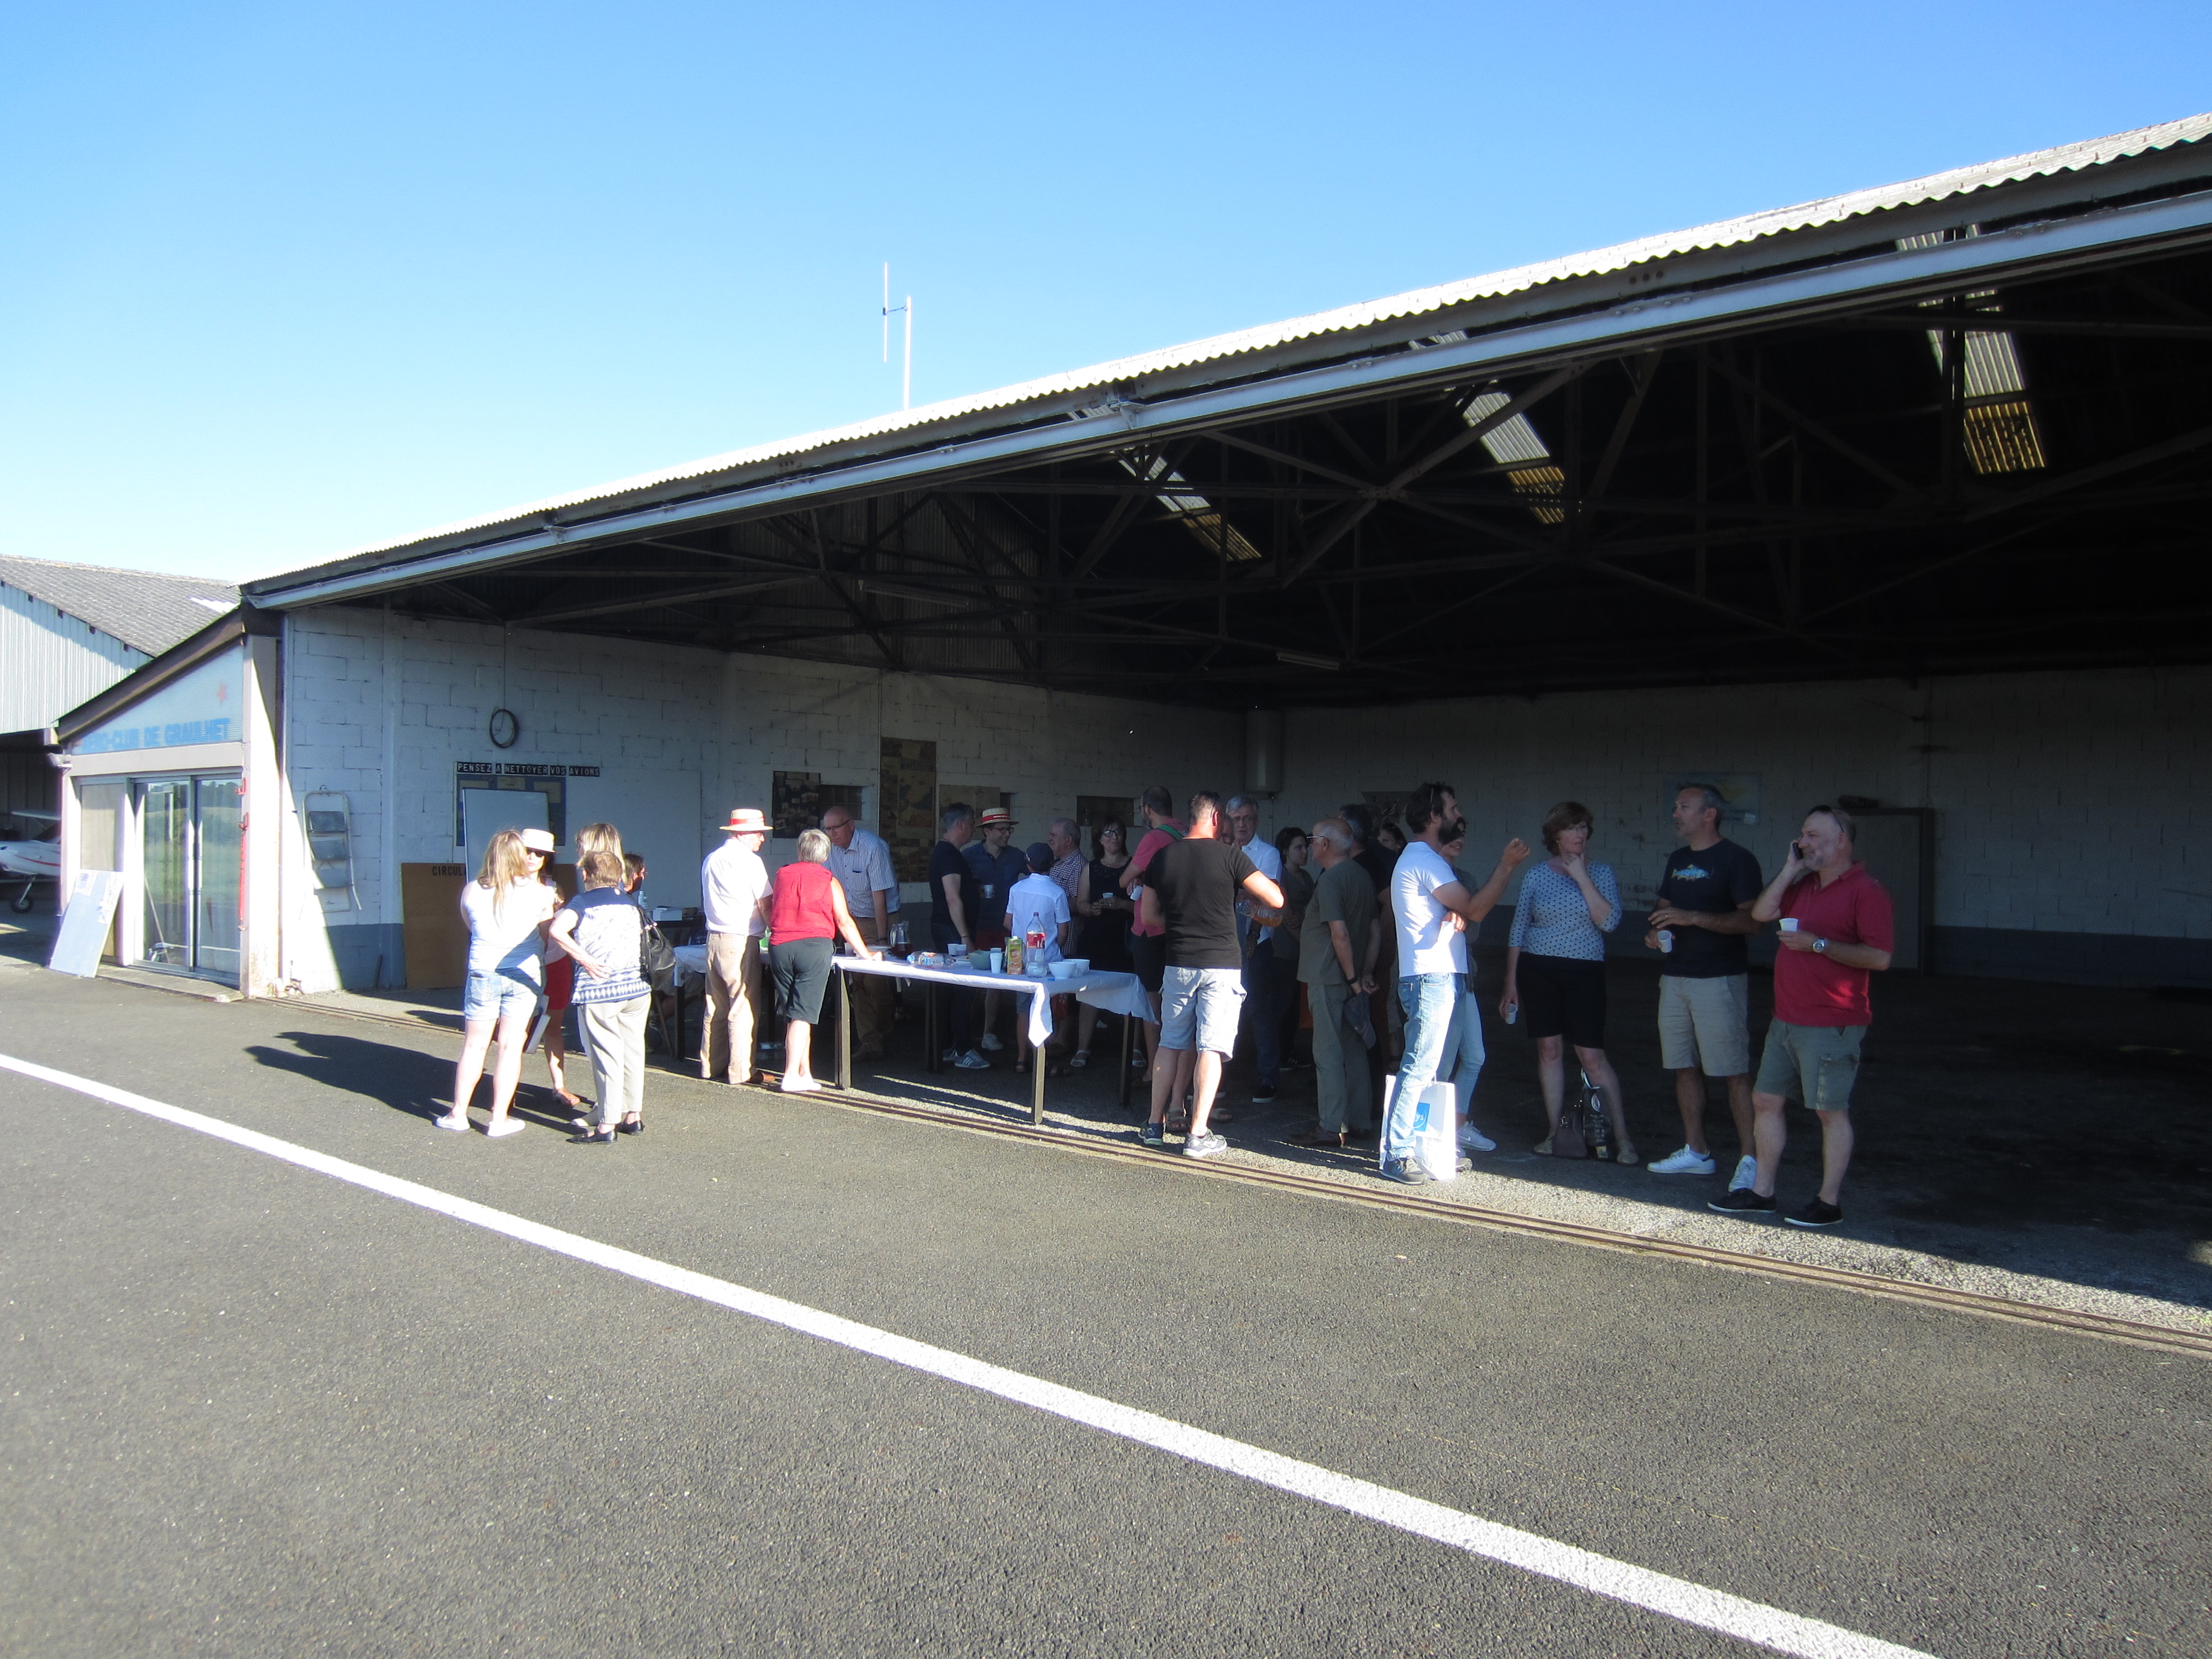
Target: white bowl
(1071, 968)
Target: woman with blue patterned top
(1556, 956)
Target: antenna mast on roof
(906, 377)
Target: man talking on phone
(1838, 928)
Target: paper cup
(1789, 924)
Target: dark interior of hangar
(2008, 478)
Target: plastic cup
(1789, 924)
(997, 962)
(1666, 939)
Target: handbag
(656, 956)
(1567, 1139)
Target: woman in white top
(505, 906)
(603, 929)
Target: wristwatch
(1820, 945)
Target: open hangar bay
(1896, 495)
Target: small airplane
(34, 861)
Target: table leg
(1128, 1031)
(1036, 1079)
(933, 1051)
(845, 1031)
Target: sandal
(1080, 1058)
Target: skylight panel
(1192, 511)
(1513, 443)
(1999, 431)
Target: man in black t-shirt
(1191, 888)
(1701, 923)
(956, 899)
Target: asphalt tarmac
(254, 1410)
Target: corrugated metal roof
(145, 609)
(1804, 215)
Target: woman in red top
(806, 912)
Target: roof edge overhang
(1080, 424)
(149, 678)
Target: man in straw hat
(735, 886)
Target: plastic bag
(1435, 1138)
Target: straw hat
(746, 820)
(994, 816)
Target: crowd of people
(1222, 929)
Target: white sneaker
(1747, 1173)
(1471, 1139)
(505, 1126)
(454, 1121)
(972, 1061)
(1683, 1162)
(991, 1042)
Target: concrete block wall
(2072, 811)
(374, 699)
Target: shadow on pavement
(398, 1077)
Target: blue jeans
(1463, 1051)
(1264, 982)
(1430, 1001)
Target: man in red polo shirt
(1838, 931)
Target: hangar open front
(1895, 495)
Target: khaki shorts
(1705, 1021)
(1816, 1064)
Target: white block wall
(2075, 802)
(371, 698)
(2071, 803)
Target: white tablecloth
(690, 962)
(1118, 994)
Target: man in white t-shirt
(734, 887)
(1434, 913)
(1266, 989)
(861, 861)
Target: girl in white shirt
(505, 906)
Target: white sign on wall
(200, 705)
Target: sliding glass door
(189, 847)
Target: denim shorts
(1199, 1009)
(497, 995)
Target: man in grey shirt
(1337, 953)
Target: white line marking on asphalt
(1676, 1598)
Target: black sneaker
(1818, 1213)
(1742, 1199)
(1263, 1094)
(1152, 1134)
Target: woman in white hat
(504, 907)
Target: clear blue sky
(276, 280)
